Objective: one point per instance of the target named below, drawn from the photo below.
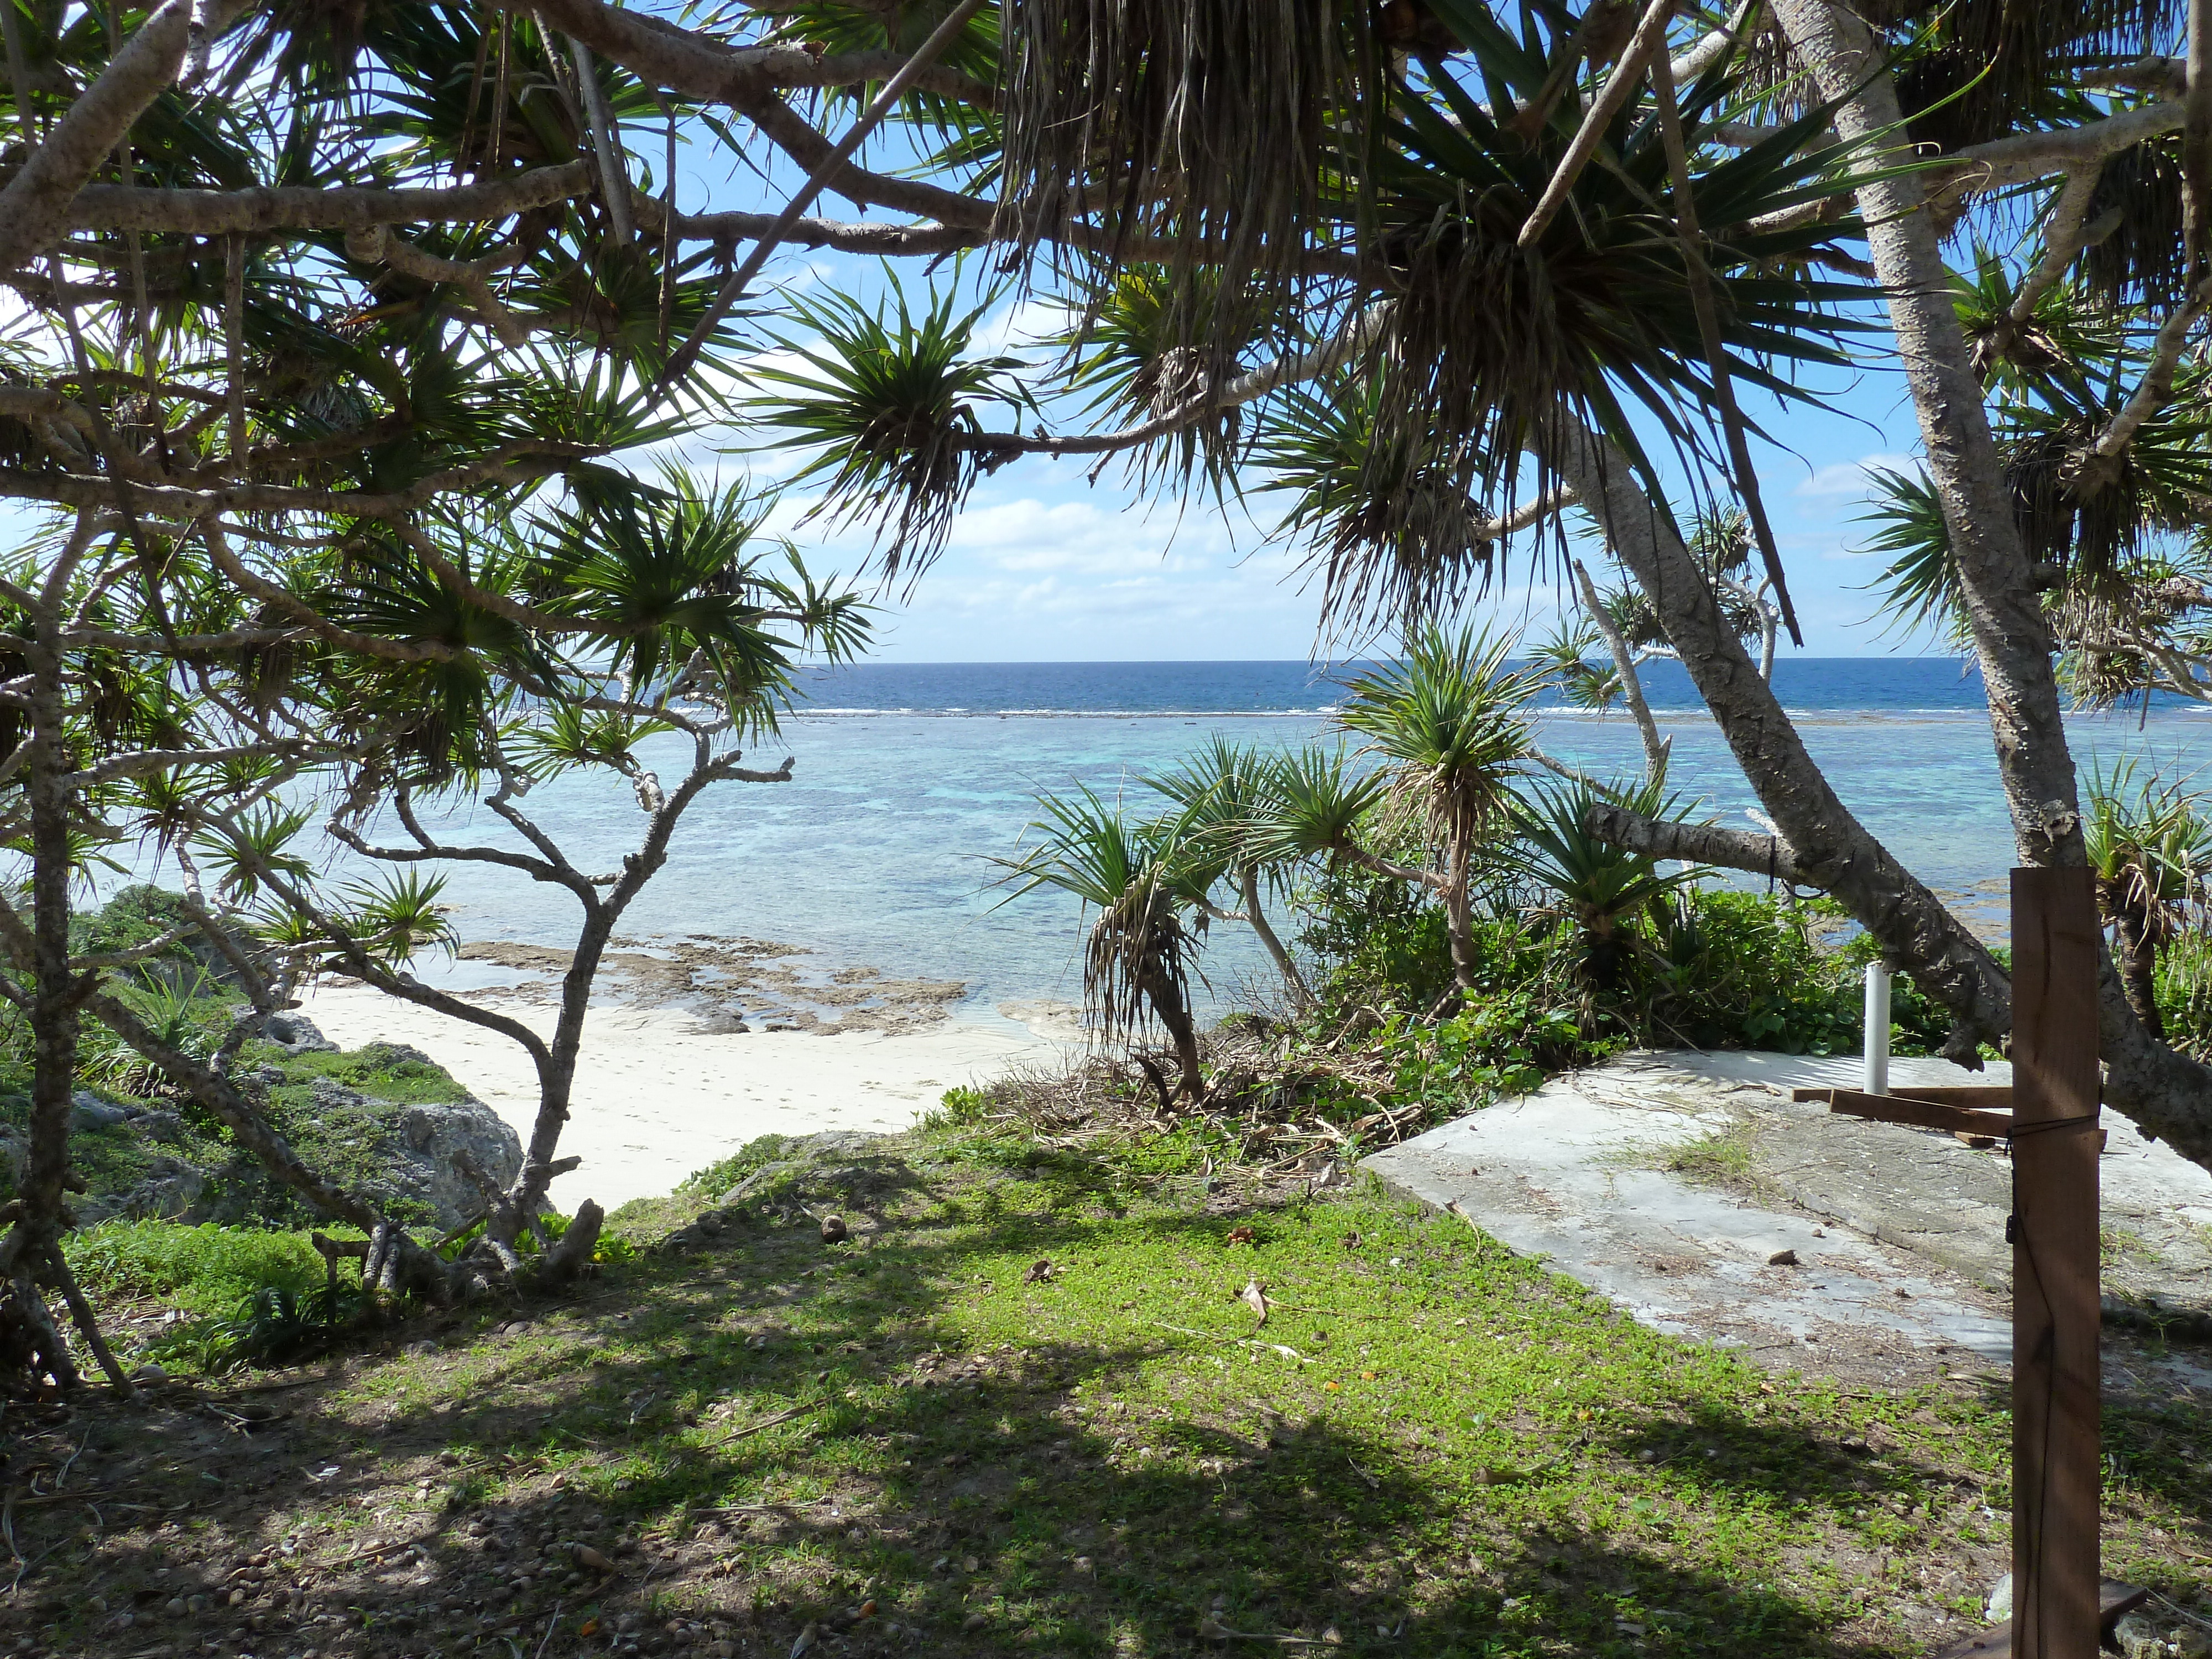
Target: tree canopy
(344, 337)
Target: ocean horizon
(910, 779)
(1278, 688)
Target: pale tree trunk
(2165, 1093)
(1822, 845)
(2002, 601)
(1655, 747)
(1257, 920)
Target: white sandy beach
(657, 1096)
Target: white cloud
(1022, 329)
(1844, 478)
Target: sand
(662, 1092)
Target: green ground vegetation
(1030, 1406)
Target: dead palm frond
(1202, 127)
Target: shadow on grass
(1027, 1496)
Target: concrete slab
(1926, 1191)
(1898, 1234)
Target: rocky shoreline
(731, 986)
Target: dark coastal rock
(89, 1111)
(296, 1034)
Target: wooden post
(2055, 1394)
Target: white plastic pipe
(1877, 1028)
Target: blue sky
(1044, 564)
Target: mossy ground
(1023, 1410)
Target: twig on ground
(765, 1422)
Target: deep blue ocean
(1831, 684)
(910, 778)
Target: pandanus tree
(2151, 852)
(1226, 790)
(1605, 892)
(467, 656)
(1448, 729)
(1137, 880)
(293, 270)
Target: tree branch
(232, 212)
(2065, 231)
(1650, 36)
(35, 205)
(2154, 390)
(680, 361)
(1699, 843)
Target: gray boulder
(89, 1111)
(296, 1034)
(425, 1142)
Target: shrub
(208, 1269)
(721, 1176)
(1713, 967)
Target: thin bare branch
(1655, 747)
(817, 179)
(2156, 389)
(1649, 37)
(381, 245)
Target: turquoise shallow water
(877, 852)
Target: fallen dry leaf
(1242, 1236)
(1255, 1297)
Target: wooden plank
(2114, 1600)
(1996, 1096)
(1992, 1097)
(1920, 1114)
(2056, 937)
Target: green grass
(374, 1069)
(1429, 1436)
(1722, 1158)
(205, 1270)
